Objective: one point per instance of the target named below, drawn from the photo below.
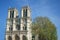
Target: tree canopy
(44, 28)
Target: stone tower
(18, 28)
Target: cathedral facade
(18, 27)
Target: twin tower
(18, 28)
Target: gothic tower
(12, 22)
(18, 28)
(25, 22)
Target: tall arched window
(17, 37)
(18, 27)
(25, 13)
(9, 38)
(11, 28)
(11, 14)
(24, 28)
(24, 37)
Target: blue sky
(49, 8)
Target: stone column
(6, 38)
(13, 37)
(20, 36)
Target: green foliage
(44, 28)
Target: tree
(44, 28)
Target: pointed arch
(24, 37)
(9, 38)
(17, 37)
